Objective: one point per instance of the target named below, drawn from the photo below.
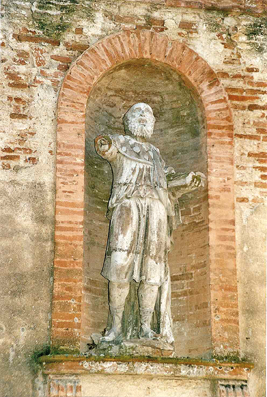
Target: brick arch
(68, 263)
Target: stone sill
(150, 366)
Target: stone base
(79, 376)
(133, 348)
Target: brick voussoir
(123, 46)
(132, 43)
(175, 54)
(87, 68)
(94, 63)
(187, 62)
(202, 73)
(146, 40)
(159, 47)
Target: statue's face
(139, 120)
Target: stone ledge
(161, 367)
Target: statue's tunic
(139, 240)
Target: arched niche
(71, 318)
(180, 135)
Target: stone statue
(143, 215)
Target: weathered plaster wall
(39, 42)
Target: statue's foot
(112, 335)
(148, 333)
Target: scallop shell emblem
(136, 149)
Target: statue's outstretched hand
(103, 143)
(196, 179)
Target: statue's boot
(145, 330)
(116, 329)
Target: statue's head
(139, 120)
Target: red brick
(242, 98)
(7, 150)
(238, 106)
(74, 46)
(257, 200)
(23, 150)
(26, 30)
(66, 324)
(257, 107)
(261, 185)
(156, 22)
(79, 31)
(188, 26)
(188, 60)
(131, 41)
(144, 26)
(146, 42)
(18, 85)
(252, 91)
(31, 160)
(126, 19)
(179, 277)
(159, 29)
(20, 100)
(261, 84)
(257, 155)
(63, 67)
(252, 70)
(36, 39)
(242, 77)
(250, 137)
(223, 75)
(10, 157)
(18, 116)
(242, 200)
(262, 131)
(13, 76)
(237, 90)
(62, 59)
(23, 54)
(6, 166)
(100, 58)
(159, 47)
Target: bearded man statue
(141, 223)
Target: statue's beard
(144, 131)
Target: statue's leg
(117, 296)
(147, 295)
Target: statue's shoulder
(117, 138)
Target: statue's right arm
(105, 147)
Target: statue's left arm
(186, 183)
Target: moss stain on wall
(53, 18)
(257, 34)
